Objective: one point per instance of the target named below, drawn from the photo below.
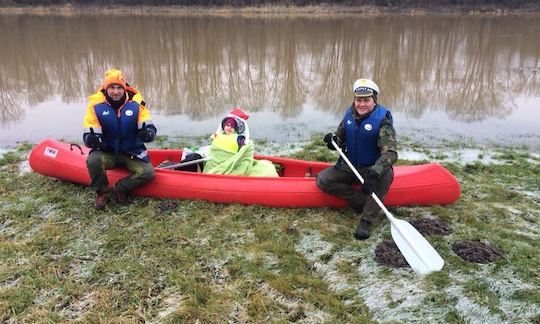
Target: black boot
(120, 197)
(363, 231)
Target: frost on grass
(6, 228)
(50, 297)
(77, 309)
(444, 154)
(24, 167)
(85, 252)
(468, 310)
(9, 283)
(503, 283)
(531, 194)
(170, 302)
(293, 305)
(273, 148)
(506, 285)
(521, 221)
(271, 262)
(238, 314)
(313, 247)
(215, 270)
(399, 297)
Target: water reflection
(469, 67)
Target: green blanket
(239, 163)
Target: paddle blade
(420, 255)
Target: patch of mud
(428, 226)
(476, 251)
(388, 254)
(166, 206)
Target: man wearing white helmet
(367, 136)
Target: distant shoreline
(267, 10)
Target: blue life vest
(120, 129)
(361, 137)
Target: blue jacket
(119, 129)
(361, 136)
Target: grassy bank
(173, 261)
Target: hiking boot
(120, 197)
(363, 231)
(101, 201)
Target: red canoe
(426, 184)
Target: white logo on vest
(129, 113)
(368, 127)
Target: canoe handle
(77, 146)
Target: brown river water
(461, 78)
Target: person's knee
(148, 172)
(322, 183)
(327, 180)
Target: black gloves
(145, 134)
(93, 140)
(328, 140)
(370, 180)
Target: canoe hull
(426, 184)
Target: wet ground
(388, 254)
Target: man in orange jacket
(116, 125)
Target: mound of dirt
(165, 206)
(427, 226)
(476, 251)
(388, 254)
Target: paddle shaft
(373, 195)
(391, 218)
(182, 164)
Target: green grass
(62, 261)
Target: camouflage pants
(98, 162)
(339, 181)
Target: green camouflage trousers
(339, 181)
(98, 161)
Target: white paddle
(420, 255)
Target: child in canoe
(232, 152)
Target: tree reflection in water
(200, 66)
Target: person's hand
(328, 140)
(145, 134)
(93, 140)
(370, 180)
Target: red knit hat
(231, 122)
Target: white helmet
(365, 88)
